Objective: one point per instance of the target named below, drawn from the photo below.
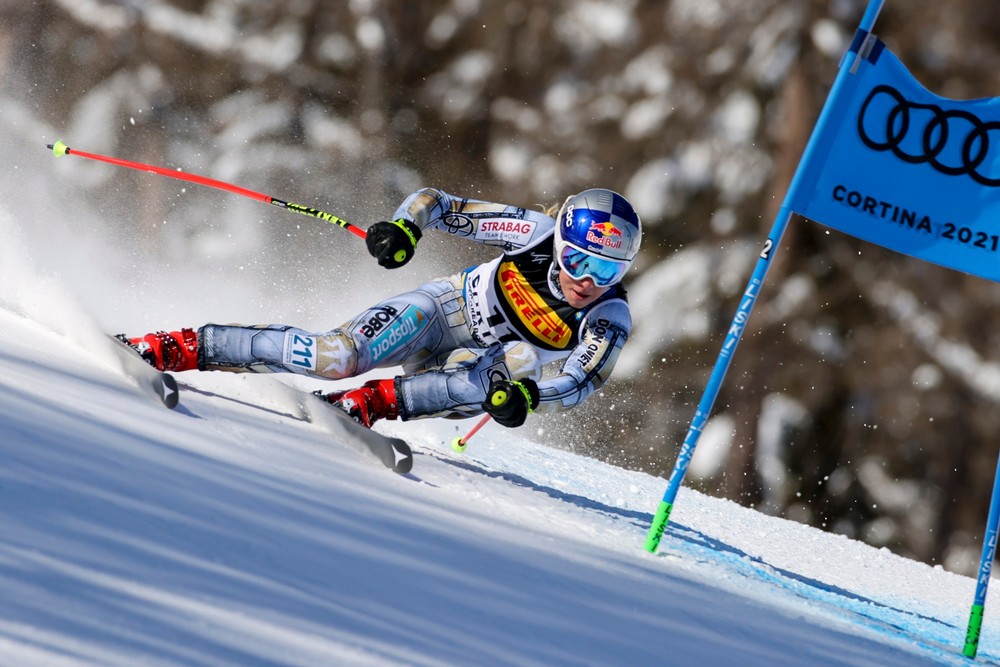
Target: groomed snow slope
(230, 533)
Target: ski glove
(510, 402)
(392, 243)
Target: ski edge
(394, 453)
(155, 383)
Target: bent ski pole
(459, 444)
(59, 149)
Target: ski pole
(459, 444)
(59, 149)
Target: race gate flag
(893, 164)
(909, 170)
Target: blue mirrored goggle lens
(580, 265)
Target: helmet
(597, 236)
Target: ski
(287, 401)
(394, 453)
(156, 383)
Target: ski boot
(375, 400)
(174, 351)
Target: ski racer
(473, 342)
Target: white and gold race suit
(505, 318)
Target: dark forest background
(864, 397)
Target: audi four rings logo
(952, 141)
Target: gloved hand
(510, 402)
(392, 243)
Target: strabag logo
(952, 141)
(517, 232)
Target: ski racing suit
(506, 318)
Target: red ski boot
(369, 403)
(174, 351)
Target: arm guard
(589, 365)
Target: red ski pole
(59, 149)
(459, 444)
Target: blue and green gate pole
(803, 181)
(985, 567)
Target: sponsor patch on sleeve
(505, 230)
(406, 326)
(598, 351)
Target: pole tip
(458, 445)
(58, 149)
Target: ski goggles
(580, 264)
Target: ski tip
(170, 393)
(58, 149)
(403, 457)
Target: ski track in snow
(231, 532)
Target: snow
(587, 24)
(701, 13)
(959, 359)
(227, 532)
(99, 15)
(677, 289)
(778, 415)
(737, 118)
(645, 118)
(829, 37)
(713, 447)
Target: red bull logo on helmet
(604, 234)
